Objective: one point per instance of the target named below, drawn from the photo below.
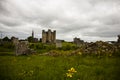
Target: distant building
(48, 36)
(59, 43)
(32, 34)
(78, 41)
(33, 38)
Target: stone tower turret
(32, 34)
(54, 36)
(44, 36)
(49, 36)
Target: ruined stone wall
(15, 41)
(58, 43)
(22, 47)
(78, 41)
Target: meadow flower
(69, 74)
(72, 70)
(79, 53)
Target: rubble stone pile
(99, 48)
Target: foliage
(68, 46)
(6, 47)
(30, 39)
(42, 48)
(98, 48)
(6, 39)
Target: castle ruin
(118, 41)
(78, 41)
(48, 36)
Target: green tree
(30, 39)
(6, 39)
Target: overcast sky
(89, 20)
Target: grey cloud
(10, 22)
(94, 2)
(111, 20)
(104, 31)
(97, 18)
(2, 9)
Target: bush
(31, 46)
(7, 46)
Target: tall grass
(35, 67)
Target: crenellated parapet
(48, 36)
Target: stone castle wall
(48, 36)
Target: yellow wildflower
(72, 70)
(79, 53)
(69, 74)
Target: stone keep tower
(118, 41)
(48, 36)
(32, 34)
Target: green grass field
(36, 67)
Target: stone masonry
(78, 41)
(58, 43)
(21, 47)
(48, 36)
